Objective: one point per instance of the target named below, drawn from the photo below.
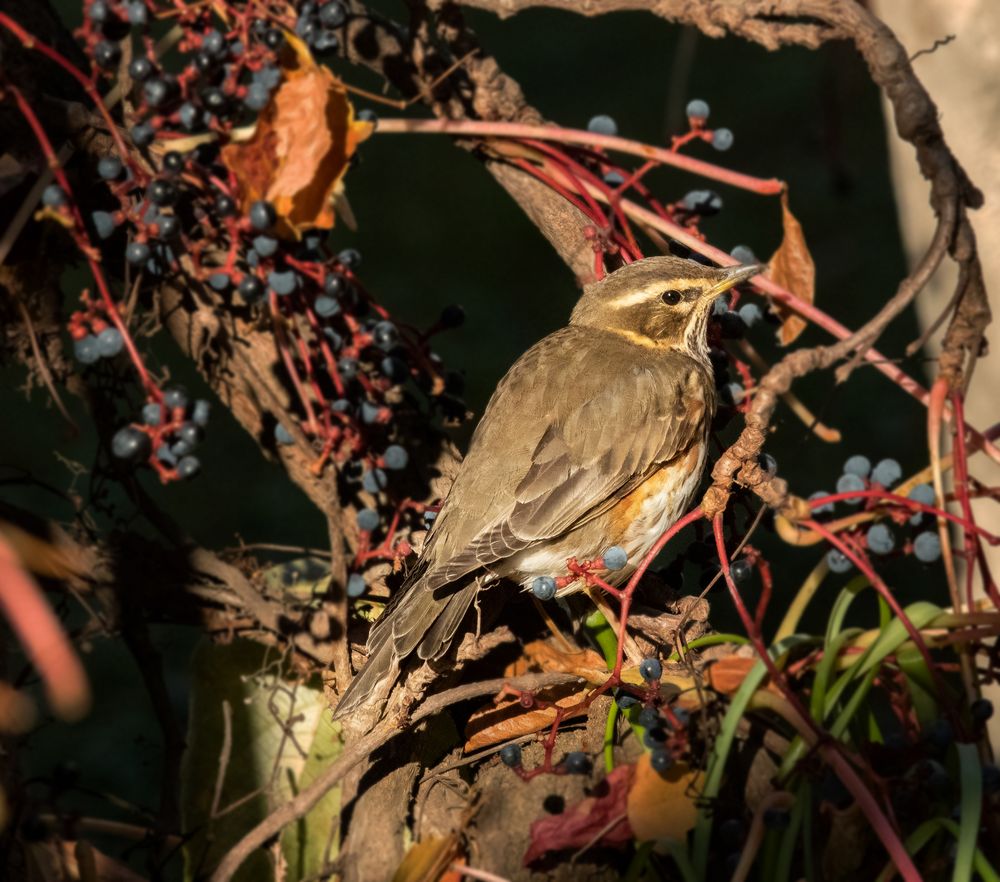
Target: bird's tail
(420, 621)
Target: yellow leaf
(300, 151)
(662, 806)
(427, 860)
(792, 267)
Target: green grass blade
(971, 778)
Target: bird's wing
(560, 443)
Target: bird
(596, 437)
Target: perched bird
(597, 436)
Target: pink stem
(766, 187)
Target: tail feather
(417, 621)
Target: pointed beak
(734, 275)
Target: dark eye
(671, 298)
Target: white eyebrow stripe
(652, 291)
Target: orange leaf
(302, 146)
(585, 663)
(498, 723)
(662, 806)
(792, 267)
(727, 674)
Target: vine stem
(812, 732)
(763, 186)
(87, 247)
(31, 42)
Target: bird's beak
(734, 275)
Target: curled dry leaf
(498, 723)
(792, 267)
(596, 820)
(586, 664)
(662, 806)
(302, 146)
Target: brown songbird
(596, 437)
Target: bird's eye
(671, 298)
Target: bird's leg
(632, 651)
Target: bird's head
(661, 302)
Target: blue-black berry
(577, 763)
(826, 507)
(395, 457)
(615, 558)
(544, 587)
(86, 350)
(368, 519)
(722, 139)
(887, 472)
(649, 717)
(981, 710)
(927, 547)
(53, 196)
(282, 435)
(661, 760)
(137, 253)
(130, 443)
(200, 413)
(110, 168)
(880, 539)
(175, 397)
(283, 282)
(510, 755)
(110, 342)
(837, 561)
(356, 585)
(374, 480)
(188, 467)
(851, 483)
(152, 414)
(650, 669)
(262, 215)
(859, 465)
(602, 124)
(697, 109)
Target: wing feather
(549, 455)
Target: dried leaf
(727, 674)
(792, 267)
(586, 663)
(301, 148)
(595, 820)
(498, 723)
(428, 859)
(662, 806)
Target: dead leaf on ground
(302, 146)
(792, 267)
(586, 664)
(662, 806)
(595, 820)
(499, 723)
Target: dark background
(434, 229)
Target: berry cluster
(879, 538)
(187, 210)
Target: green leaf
(971, 776)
